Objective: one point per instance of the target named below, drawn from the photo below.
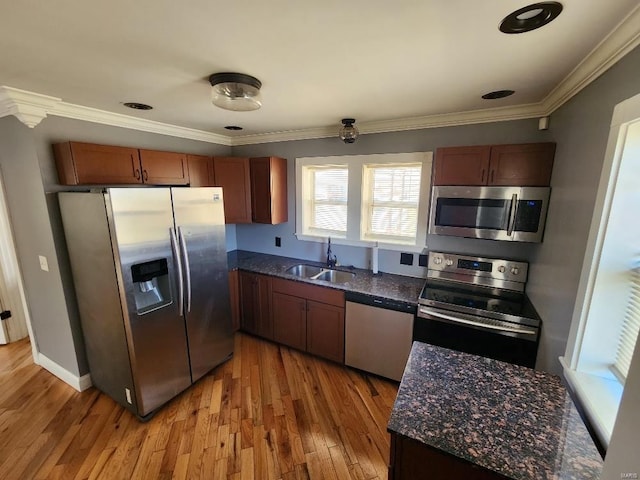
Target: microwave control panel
(496, 268)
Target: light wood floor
(268, 413)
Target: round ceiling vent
(137, 106)
(531, 17)
(498, 94)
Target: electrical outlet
(406, 258)
(278, 242)
(44, 265)
(423, 260)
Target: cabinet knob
(145, 175)
(482, 179)
(136, 173)
(492, 172)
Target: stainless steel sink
(335, 276)
(306, 271)
(319, 273)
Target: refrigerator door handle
(176, 259)
(185, 257)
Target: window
(390, 201)
(363, 199)
(630, 328)
(326, 200)
(606, 317)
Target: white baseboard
(79, 383)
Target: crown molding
(88, 114)
(28, 107)
(489, 115)
(622, 39)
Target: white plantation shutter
(630, 328)
(328, 190)
(391, 195)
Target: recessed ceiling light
(530, 17)
(498, 94)
(137, 106)
(233, 127)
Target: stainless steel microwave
(516, 214)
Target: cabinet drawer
(309, 292)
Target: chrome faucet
(332, 260)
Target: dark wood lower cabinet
(412, 460)
(234, 298)
(255, 294)
(325, 331)
(289, 320)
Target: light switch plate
(44, 265)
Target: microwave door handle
(512, 214)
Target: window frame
(604, 284)
(355, 165)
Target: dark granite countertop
(518, 422)
(384, 285)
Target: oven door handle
(443, 316)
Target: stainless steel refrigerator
(151, 280)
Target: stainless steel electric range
(478, 305)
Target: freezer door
(141, 223)
(199, 217)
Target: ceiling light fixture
(530, 17)
(235, 91)
(348, 132)
(498, 94)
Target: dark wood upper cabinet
(88, 164)
(164, 168)
(233, 175)
(200, 171)
(526, 165)
(269, 190)
(461, 165)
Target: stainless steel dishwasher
(378, 334)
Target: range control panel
(499, 269)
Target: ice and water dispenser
(151, 285)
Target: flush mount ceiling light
(348, 132)
(498, 94)
(530, 17)
(235, 91)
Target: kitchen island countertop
(517, 422)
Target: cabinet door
(461, 165)
(164, 168)
(199, 171)
(234, 298)
(269, 190)
(325, 331)
(88, 164)
(248, 302)
(527, 165)
(232, 174)
(289, 320)
(265, 322)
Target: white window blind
(630, 328)
(391, 195)
(327, 199)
